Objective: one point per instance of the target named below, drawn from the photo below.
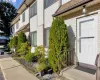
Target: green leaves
(21, 38)
(13, 42)
(58, 44)
(7, 13)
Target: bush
(24, 49)
(13, 42)
(39, 52)
(29, 57)
(21, 38)
(58, 44)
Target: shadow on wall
(71, 35)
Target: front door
(87, 39)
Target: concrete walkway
(79, 73)
(12, 70)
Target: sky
(16, 3)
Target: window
(17, 25)
(13, 29)
(33, 10)
(34, 38)
(23, 17)
(47, 3)
(47, 37)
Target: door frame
(95, 16)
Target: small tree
(21, 38)
(11, 43)
(15, 41)
(58, 44)
(24, 49)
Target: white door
(87, 39)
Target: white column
(40, 21)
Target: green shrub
(13, 42)
(58, 44)
(42, 61)
(21, 38)
(29, 57)
(24, 49)
(39, 51)
(41, 67)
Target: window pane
(23, 17)
(33, 9)
(34, 38)
(47, 37)
(48, 3)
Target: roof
(25, 4)
(70, 5)
(16, 19)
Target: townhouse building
(82, 18)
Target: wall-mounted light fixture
(84, 10)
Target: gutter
(21, 5)
(72, 7)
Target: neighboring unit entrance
(87, 39)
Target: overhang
(24, 5)
(15, 20)
(24, 28)
(71, 5)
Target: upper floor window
(23, 17)
(17, 25)
(46, 38)
(34, 38)
(33, 9)
(47, 3)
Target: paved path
(79, 73)
(1, 75)
(12, 70)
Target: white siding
(33, 27)
(99, 31)
(40, 12)
(71, 26)
(48, 12)
(26, 18)
(33, 24)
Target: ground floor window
(34, 38)
(46, 40)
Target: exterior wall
(26, 18)
(33, 23)
(99, 31)
(33, 27)
(48, 12)
(71, 22)
(40, 18)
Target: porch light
(84, 9)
